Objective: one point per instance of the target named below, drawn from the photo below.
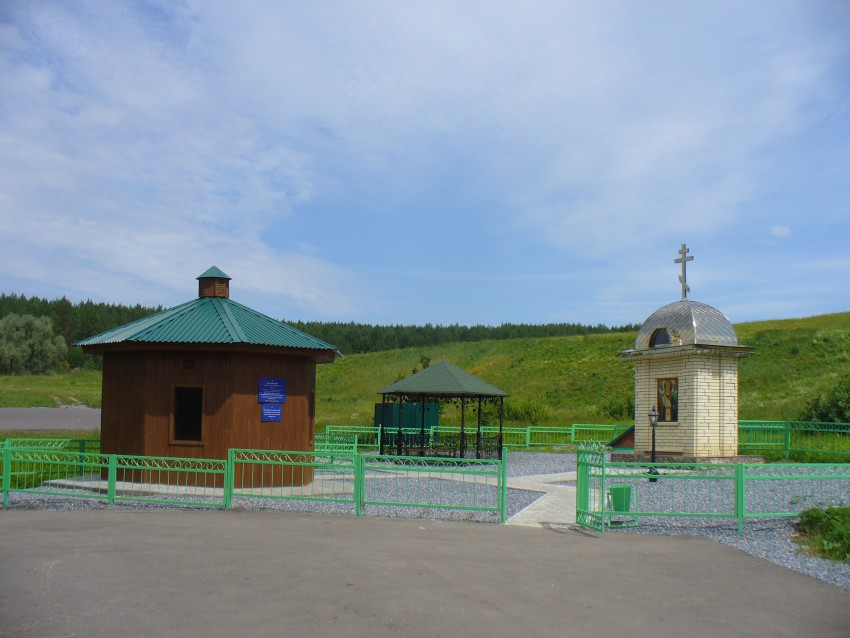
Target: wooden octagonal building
(211, 374)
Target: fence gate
(590, 484)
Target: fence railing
(779, 439)
(460, 484)
(794, 439)
(336, 443)
(368, 437)
(610, 494)
(44, 468)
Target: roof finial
(683, 278)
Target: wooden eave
(319, 356)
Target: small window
(660, 338)
(188, 413)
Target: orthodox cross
(683, 278)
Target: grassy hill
(555, 380)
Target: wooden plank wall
(138, 396)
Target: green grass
(79, 387)
(74, 435)
(552, 381)
(826, 533)
(561, 379)
(794, 360)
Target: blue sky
(429, 162)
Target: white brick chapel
(686, 366)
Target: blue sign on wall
(272, 413)
(272, 390)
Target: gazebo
(443, 383)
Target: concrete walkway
(188, 573)
(557, 505)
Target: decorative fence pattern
(780, 439)
(48, 468)
(512, 436)
(612, 494)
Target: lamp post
(653, 423)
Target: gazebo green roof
(209, 320)
(213, 273)
(443, 379)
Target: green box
(621, 498)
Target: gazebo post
(422, 429)
(478, 435)
(399, 443)
(381, 424)
(501, 415)
(462, 425)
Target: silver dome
(688, 323)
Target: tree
(834, 406)
(28, 345)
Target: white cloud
(302, 145)
(780, 231)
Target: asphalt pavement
(49, 419)
(227, 573)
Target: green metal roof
(443, 379)
(210, 320)
(213, 273)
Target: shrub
(827, 532)
(527, 411)
(834, 406)
(621, 408)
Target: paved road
(49, 419)
(239, 573)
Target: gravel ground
(770, 539)
(532, 463)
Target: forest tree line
(75, 321)
(359, 338)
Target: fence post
(359, 479)
(503, 487)
(111, 478)
(528, 436)
(7, 471)
(787, 441)
(228, 480)
(740, 495)
(581, 482)
(602, 492)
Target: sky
(399, 162)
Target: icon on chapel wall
(668, 399)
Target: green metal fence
(368, 436)
(295, 476)
(794, 439)
(460, 484)
(39, 467)
(331, 444)
(512, 436)
(600, 432)
(774, 439)
(610, 494)
(364, 481)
